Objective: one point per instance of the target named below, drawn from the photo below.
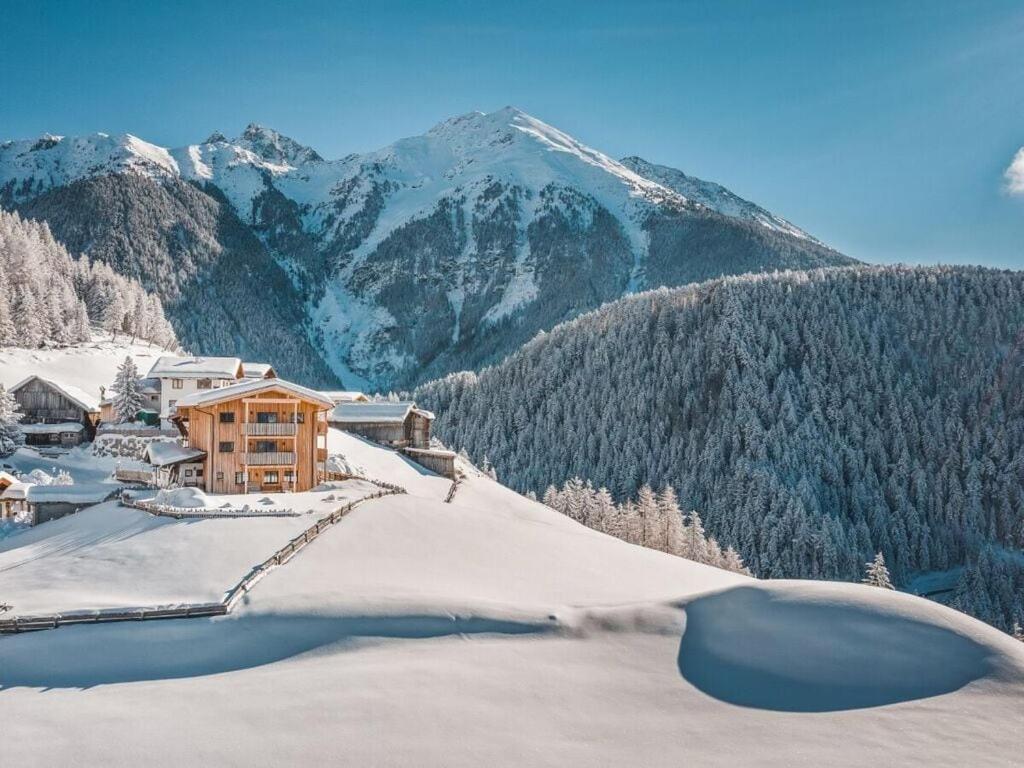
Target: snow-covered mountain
(438, 252)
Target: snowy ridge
(31, 167)
(714, 196)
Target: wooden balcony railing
(270, 430)
(270, 459)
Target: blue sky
(884, 128)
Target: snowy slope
(86, 366)
(32, 166)
(714, 196)
(494, 631)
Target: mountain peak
(276, 147)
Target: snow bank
(190, 498)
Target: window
(239, 478)
(199, 472)
(177, 383)
(227, 417)
(266, 446)
(220, 475)
(226, 447)
(297, 418)
(204, 384)
(289, 476)
(266, 417)
(269, 478)
(188, 473)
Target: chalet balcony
(270, 430)
(270, 459)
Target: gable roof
(258, 370)
(375, 413)
(6, 478)
(79, 397)
(342, 396)
(234, 391)
(195, 367)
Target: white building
(181, 376)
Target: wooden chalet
(398, 425)
(262, 435)
(55, 413)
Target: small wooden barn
(398, 425)
(55, 413)
(50, 502)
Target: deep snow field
(486, 631)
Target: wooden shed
(398, 425)
(55, 413)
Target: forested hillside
(48, 297)
(224, 292)
(813, 418)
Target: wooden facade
(396, 425)
(274, 439)
(45, 402)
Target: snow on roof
(49, 429)
(195, 367)
(79, 397)
(257, 370)
(7, 477)
(16, 490)
(252, 387)
(342, 396)
(164, 453)
(85, 493)
(353, 413)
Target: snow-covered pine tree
(876, 574)
(127, 398)
(47, 297)
(10, 415)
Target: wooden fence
(202, 513)
(192, 610)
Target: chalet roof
(342, 396)
(370, 413)
(51, 429)
(163, 453)
(16, 490)
(7, 478)
(84, 493)
(79, 397)
(195, 367)
(258, 370)
(234, 391)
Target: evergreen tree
(10, 415)
(876, 574)
(127, 398)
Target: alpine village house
(260, 435)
